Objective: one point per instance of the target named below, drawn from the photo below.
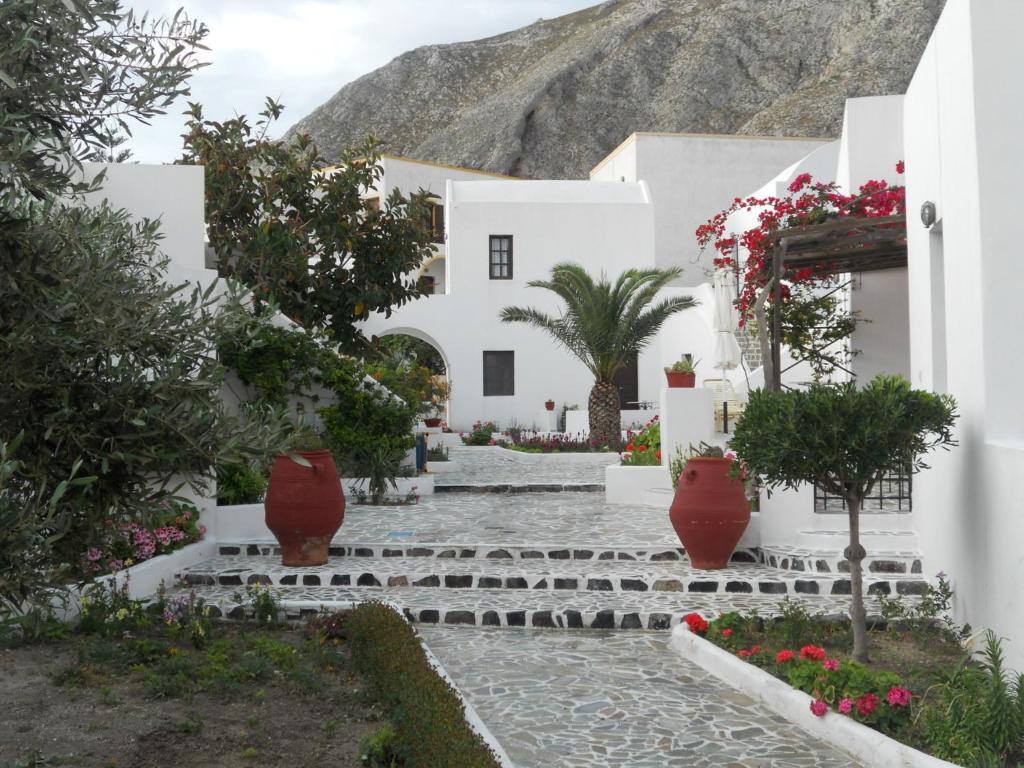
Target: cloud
(303, 52)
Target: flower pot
(432, 423)
(550, 405)
(677, 380)
(305, 507)
(709, 511)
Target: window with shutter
(499, 374)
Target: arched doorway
(433, 276)
(416, 347)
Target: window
(499, 374)
(501, 257)
(627, 379)
(433, 222)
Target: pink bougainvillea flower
(831, 664)
(846, 705)
(800, 182)
(819, 707)
(899, 697)
(901, 167)
(784, 656)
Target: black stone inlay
(213, 612)
(367, 580)
(428, 581)
(202, 579)
(659, 621)
(336, 551)
(632, 621)
(363, 552)
(702, 586)
(742, 556)
(634, 585)
(488, 582)
(516, 618)
(252, 549)
(574, 619)
(458, 582)
(822, 566)
(531, 554)
(841, 587)
(231, 550)
(419, 552)
(911, 587)
(599, 585)
(772, 587)
(887, 566)
(843, 566)
(468, 553)
(516, 582)
(806, 587)
(915, 567)
(604, 620)
(340, 580)
(879, 588)
(625, 556)
(542, 584)
(289, 580)
(310, 580)
(447, 553)
(430, 616)
(660, 556)
(566, 584)
(542, 619)
(392, 553)
(491, 619)
(606, 556)
(582, 554)
(460, 617)
(739, 586)
(797, 565)
(559, 554)
(238, 612)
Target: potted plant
(682, 373)
(549, 404)
(305, 505)
(432, 422)
(709, 511)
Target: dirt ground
(111, 719)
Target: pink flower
(846, 705)
(784, 656)
(202, 531)
(899, 697)
(830, 664)
(900, 167)
(93, 554)
(867, 704)
(819, 707)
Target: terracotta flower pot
(432, 422)
(709, 511)
(305, 507)
(550, 405)
(680, 380)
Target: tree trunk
(605, 421)
(855, 556)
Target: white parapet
(687, 418)
(627, 485)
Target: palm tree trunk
(855, 554)
(605, 421)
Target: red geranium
(867, 704)
(784, 656)
(697, 623)
(813, 652)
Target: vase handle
(691, 474)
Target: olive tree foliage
(70, 71)
(843, 440)
(296, 229)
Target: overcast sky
(302, 51)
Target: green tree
(843, 440)
(69, 70)
(604, 324)
(300, 233)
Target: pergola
(850, 244)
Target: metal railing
(893, 493)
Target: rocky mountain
(551, 99)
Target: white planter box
(627, 485)
(866, 744)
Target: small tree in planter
(843, 440)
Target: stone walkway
(492, 466)
(595, 698)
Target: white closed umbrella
(726, 321)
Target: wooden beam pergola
(839, 246)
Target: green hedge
(427, 712)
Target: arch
(436, 268)
(426, 338)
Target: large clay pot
(549, 404)
(678, 380)
(709, 511)
(305, 507)
(432, 423)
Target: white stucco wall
(693, 176)
(963, 124)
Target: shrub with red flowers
(812, 321)
(697, 623)
(175, 526)
(546, 442)
(643, 448)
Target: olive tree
(842, 439)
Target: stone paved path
(486, 465)
(595, 698)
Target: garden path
(493, 466)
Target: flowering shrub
(550, 443)
(481, 434)
(176, 526)
(697, 623)
(643, 448)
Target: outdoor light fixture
(928, 213)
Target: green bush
(241, 484)
(644, 447)
(481, 434)
(428, 715)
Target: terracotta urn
(550, 405)
(432, 423)
(305, 507)
(709, 512)
(677, 380)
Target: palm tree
(604, 324)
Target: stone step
(445, 486)
(537, 574)
(832, 560)
(515, 608)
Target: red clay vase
(549, 404)
(677, 380)
(305, 507)
(432, 423)
(709, 512)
